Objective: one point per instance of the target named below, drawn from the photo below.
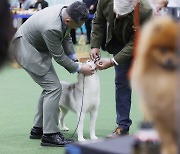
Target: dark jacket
(89, 3)
(104, 21)
(43, 4)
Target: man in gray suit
(43, 36)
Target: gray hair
(78, 11)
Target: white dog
(84, 93)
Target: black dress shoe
(75, 60)
(36, 133)
(55, 140)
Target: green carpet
(18, 99)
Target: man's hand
(87, 69)
(104, 64)
(95, 53)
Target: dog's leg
(80, 126)
(168, 138)
(93, 116)
(63, 113)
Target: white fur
(71, 99)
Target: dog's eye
(164, 49)
(88, 61)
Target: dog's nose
(169, 64)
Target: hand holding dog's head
(91, 63)
(88, 68)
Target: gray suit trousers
(48, 105)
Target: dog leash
(80, 111)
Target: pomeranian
(154, 77)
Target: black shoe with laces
(36, 133)
(55, 140)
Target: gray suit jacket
(42, 37)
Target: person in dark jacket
(116, 18)
(91, 4)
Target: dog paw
(64, 129)
(94, 137)
(81, 139)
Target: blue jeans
(123, 90)
(123, 96)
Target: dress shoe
(118, 132)
(87, 42)
(55, 140)
(36, 133)
(75, 60)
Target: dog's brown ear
(84, 59)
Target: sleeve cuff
(115, 62)
(79, 67)
(72, 56)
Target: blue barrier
(22, 16)
(28, 15)
(91, 16)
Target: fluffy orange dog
(154, 77)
